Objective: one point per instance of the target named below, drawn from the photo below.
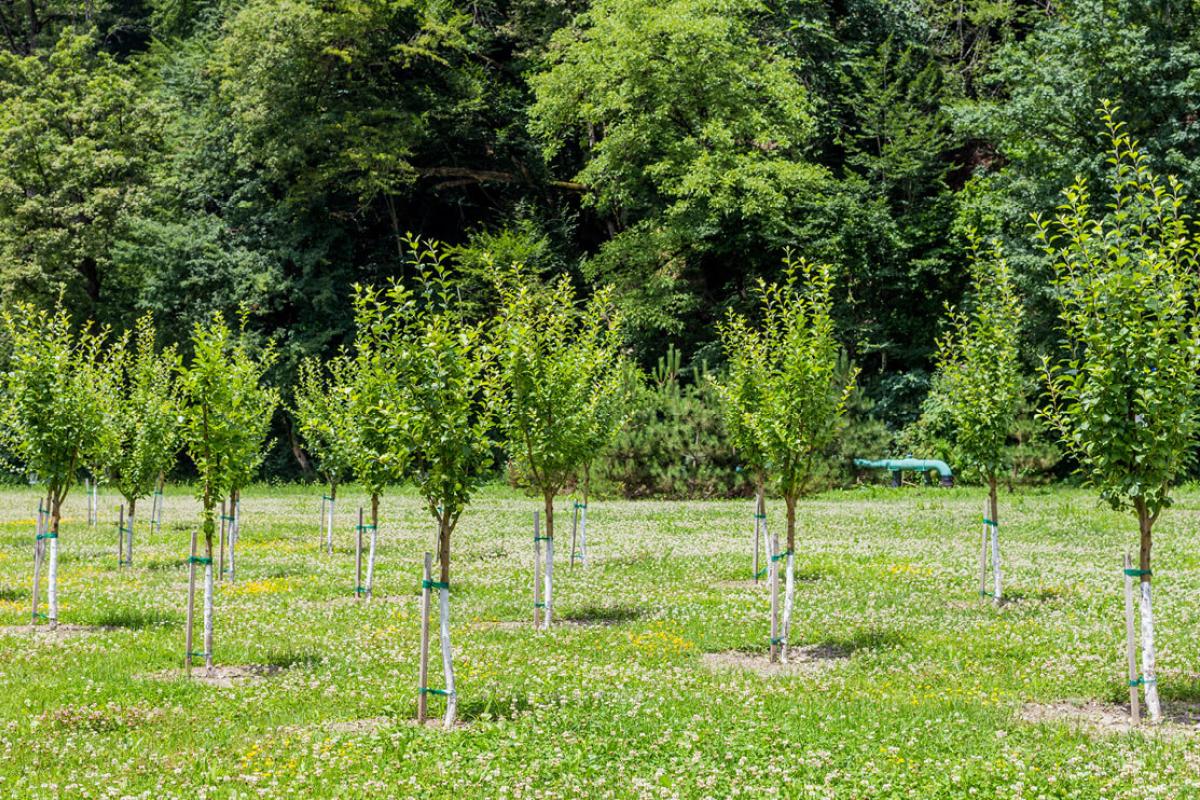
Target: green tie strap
(539, 605)
(427, 690)
(40, 615)
(47, 536)
(760, 516)
(426, 584)
(581, 505)
(365, 527)
(991, 522)
(1138, 573)
(199, 560)
(359, 590)
(776, 640)
(983, 593)
(760, 573)
(783, 555)
(1142, 681)
(541, 538)
(227, 518)
(326, 497)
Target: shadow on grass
(1046, 595)
(602, 615)
(138, 619)
(290, 659)
(491, 706)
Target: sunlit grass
(615, 702)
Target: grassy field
(926, 697)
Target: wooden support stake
(221, 557)
(423, 674)
(358, 587)
(537, 571)
(1135, 711)
(983, 590)
(773, 577)
(191, 609)
(121, 537)
(759, 507)
(129, 540)
(235, 524)
(574, 531)
(38, 554)
(324, 518)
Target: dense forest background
(181, 156)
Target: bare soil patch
(222, 676)
(803, 660)
(1113, 718)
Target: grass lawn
(924, 700)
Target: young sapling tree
(802, 397)
(740, 392)
(60, 389)
(322, 413)
(1125, 394)
(551, 352)
(608, 411)
(979, 377)
(442, 421)
(221, 387)
(147, 420)
(376, 456)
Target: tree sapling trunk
(1149, 669)
(548, 596)
(371, 548)
(52, 565)
(789, 592)
(993, 514)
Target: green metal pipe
(898, 465)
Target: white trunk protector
(208, 615)
(52, 581)
(548, 615)
(370, 565)
(583, 535)
(996, 589)
(447, 656)
(1149, 670)
(789, 594)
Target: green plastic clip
(367, 527)
(434, 585)
(1137, 573)
(227, 518)
(199, 560)
(760, 516)
(991, 522)
(47, 536)
(360, 590)
(539, 605)
(783, 555)
(776, 640)
(1142, 681)
(427, 690)
(541, 538)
